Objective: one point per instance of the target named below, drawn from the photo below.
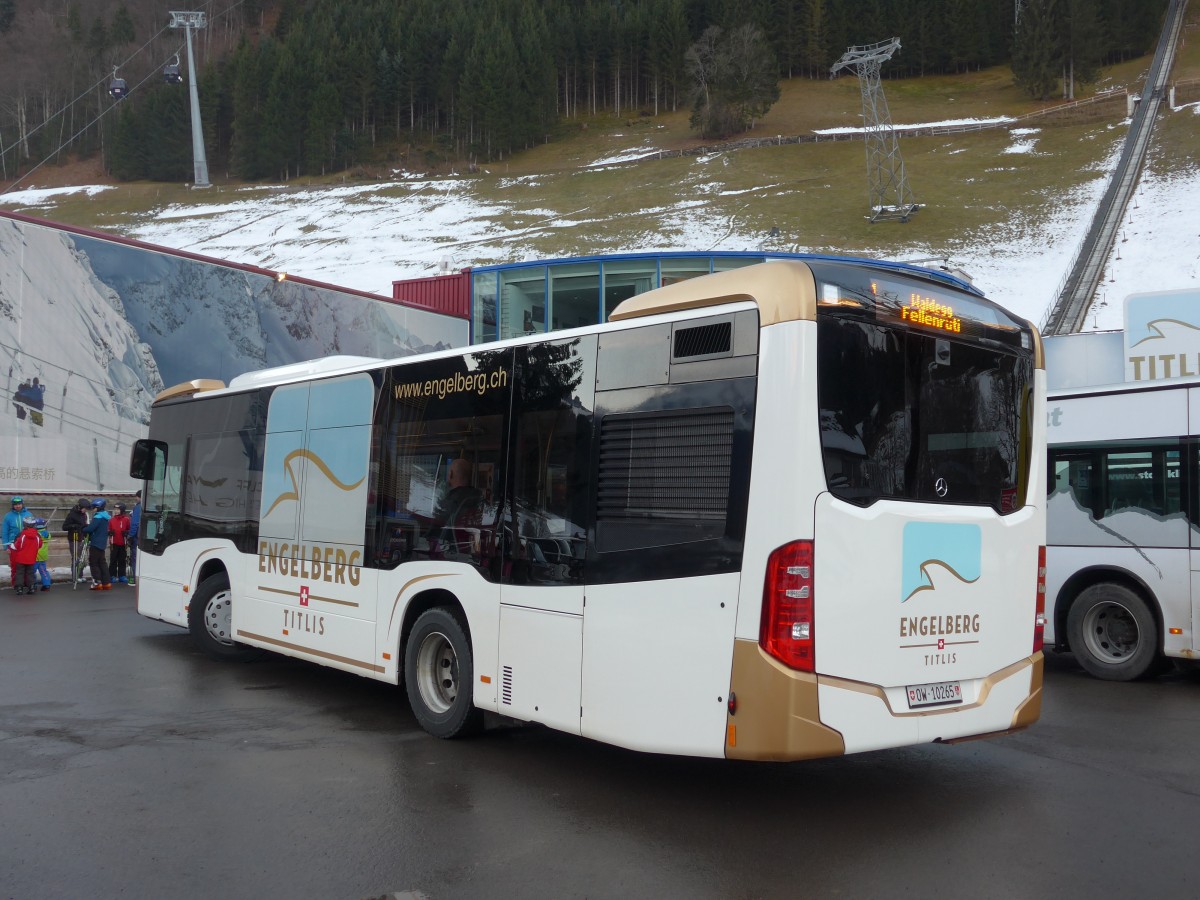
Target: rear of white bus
(894, 573)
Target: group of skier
(108, 537)
(103, 532)
(28, 544)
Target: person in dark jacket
(97, 532)
(73, 524)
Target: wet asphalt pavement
(133, 766)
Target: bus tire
(439, 675)
(1112, 633)
(209, 620)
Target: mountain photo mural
(92, 329)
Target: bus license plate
(943, 693)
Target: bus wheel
(1113, 633)
(210, 620)
(438, 675)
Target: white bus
(1123, 556)
(788, 511)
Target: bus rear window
(914, 416)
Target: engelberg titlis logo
(932, 546)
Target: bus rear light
(1039, 616)
(787, 632)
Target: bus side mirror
(142, 456)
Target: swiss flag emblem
(304, 595)
(941, 641)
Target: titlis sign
(1162, 335)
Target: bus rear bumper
(781, 714)
(870, 718)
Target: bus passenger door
(159, 595)
(545, 533)
(309, 591)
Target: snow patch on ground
(945, 123)
(623, 156)
(1019, 147)
(40, 196)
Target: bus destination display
(928, 312)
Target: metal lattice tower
(891, 198)
(189, 22)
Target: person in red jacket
(118, 530)
(24, 555)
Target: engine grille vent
(715, 339)
(669, 466)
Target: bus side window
(1122, 489)
(438, 462)
(550, 465)
(1146, 480)
(1073, 471)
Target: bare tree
(735, 79)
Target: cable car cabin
(117, 88)
(172, 75)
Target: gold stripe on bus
(777, 716)
(296, 594)
(1028, 712)
(783, 291)
(404, 587)
(287, 645)
(187, 388)
(1030, 709)
(1039, 349)
(198, 564)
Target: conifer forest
(291, 88)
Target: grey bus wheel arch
(439, 674)
(1113, 632)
